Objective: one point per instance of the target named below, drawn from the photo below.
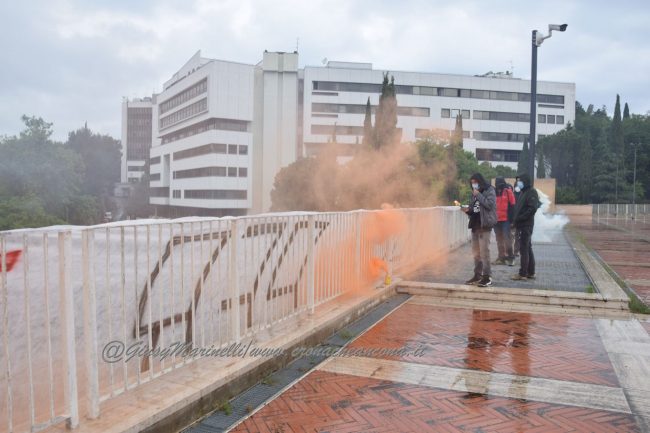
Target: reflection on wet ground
(481, 371)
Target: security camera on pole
(538, 38)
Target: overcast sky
(71, 61)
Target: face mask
(520, 185)
(475, 185)
(517, 189)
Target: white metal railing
(69, 293)
(620, 210)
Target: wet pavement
(557, 267)
(625, 246)
(479, 371)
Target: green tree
(101, 155)
(457, 135)
(25, 212)
(33, 165)
(626, 112)
(616, 131)
(522, 164)
(385, 131)
(367, 126)
(137, 205)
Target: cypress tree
(522, 164)
(616, 131)
(626, 112)
(616, 141)
(385, 131)
(457, 135)
(367, 126)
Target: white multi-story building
(221, 131)
(136, 138)
(495, 108)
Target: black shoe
(531, 277)
(510, 262)
(474, 280)
(485, 281)
(499, 262)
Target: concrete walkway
(557, 267)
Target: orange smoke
(376, 266)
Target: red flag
(11, 259)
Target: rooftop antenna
(512, 68)
(297, 43)
(325, 61)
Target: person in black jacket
(482, 213)
(524, 220)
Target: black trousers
(527, 265)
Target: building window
(232, 171)
(499, 136)
(200, 172)
(550, 118)
(154, 176)
(243, 149)
(334, 86)
(138, 133)
(463, 113)
(136, 168)
(498, 155)
(502, 116)
(184, 113)
(445, 113)
(184, 96)
(559, 120)
(232, 149)
(176, 193)
(243, 172)
(159, 191)
(541, 118)
(336, 129)
(206, 125)
(216, 194)
(322, 107)
(200, 150)
(155, 160)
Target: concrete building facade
(221, 131)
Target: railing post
(67, 313)
(90, 321)
(357, 224)
(234, 282)
(311, 263)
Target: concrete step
(514, 296)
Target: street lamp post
(634, 177)
(537, 40)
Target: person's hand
(475, 192)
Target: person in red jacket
(505, 199)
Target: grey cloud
(70, 61)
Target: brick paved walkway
(483, 371)
(557, 268)
(625, 246)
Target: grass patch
(226, 407)
(636, 306)
(269, 380)
(590, 289)
(345, 334)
